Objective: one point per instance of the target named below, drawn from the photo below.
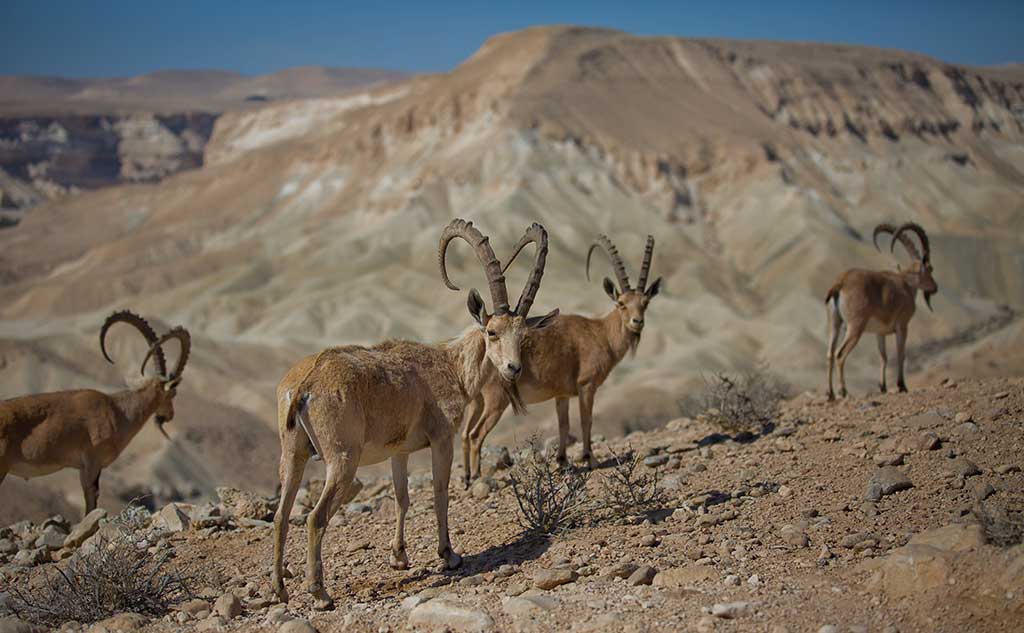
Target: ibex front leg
(400, 478)
(901, 354)
(441, 453)
(885, 362)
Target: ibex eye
(492, 334)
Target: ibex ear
(540, 322)
(610, 289)
(477, 309)
(653, 290)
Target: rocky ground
(897, 512)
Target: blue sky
(118, 38)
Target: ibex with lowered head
(354, 405)
(571, 357)
(880, 302)
(86, 429)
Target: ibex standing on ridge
(572, 357)
(880, 302)
(355, 405)
(87, 429)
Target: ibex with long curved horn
(86, 429)
(571, 358)
(354, 405)
(881, 302)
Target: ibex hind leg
(293, 464)
(835, 326)
(341, 470)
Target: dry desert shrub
(114, 572)
(550, 498)
(629, 490)
(745, 401)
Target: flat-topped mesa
(354, 405)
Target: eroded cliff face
(44, 158)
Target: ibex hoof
(843, 393)
(451, 559)
(881, 388)
(831, 397)
(903, 389)
(399, 560)
(323, 604)
(281, 594)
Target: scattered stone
(980, 490)
(51, 538)
(968, 427)
(642, 576)
(963, 417)
(825, 553)
(851, 540)
(792, 535)
(622, 569)
(964, 467)
(649, 540)
(120, 623)
(831, 628)
(785, 491)
(278, 615)
(171, 518)
(194, 607)
(7, 546)
(244, 504)
(31, 557)
(212, 623)
(228, 606)
(412, 602)
(551, 578)
(886, 481)
(655, 461)
(444, 615)
(472, 581)
(1001, 395)
(358, 508)
(732, 610)
(732, 580)
(889, 459)
(754, 581)
(929, 442)
(684, 576)
(355, 546)
(911, 570)
(481, 489)
(528, 605)
(297, 626)
(85, 528)
(1005, 469)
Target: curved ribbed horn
(484, 253)
(184, 340)
(884, 227)
(903, 239)
(538, 235)
(916, 229)
(613, 254)
(641, 282)
(124, 316)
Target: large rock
(551, 578)
(297, 626)
(442, 615)
(51, 538)
(528, 605)
(911, 570)
(228, 606)
(243, 504)
(952, 538)
(171, 518)
(85, 528)
(732, 610)
(886, 481)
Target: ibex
(880, 302)
(86, 429)
(352, 406)
(572, 357)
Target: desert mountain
(760, 167)
(61, 136)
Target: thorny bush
(629, 490)
(114, 572)
(740, 402)
(550, 498)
